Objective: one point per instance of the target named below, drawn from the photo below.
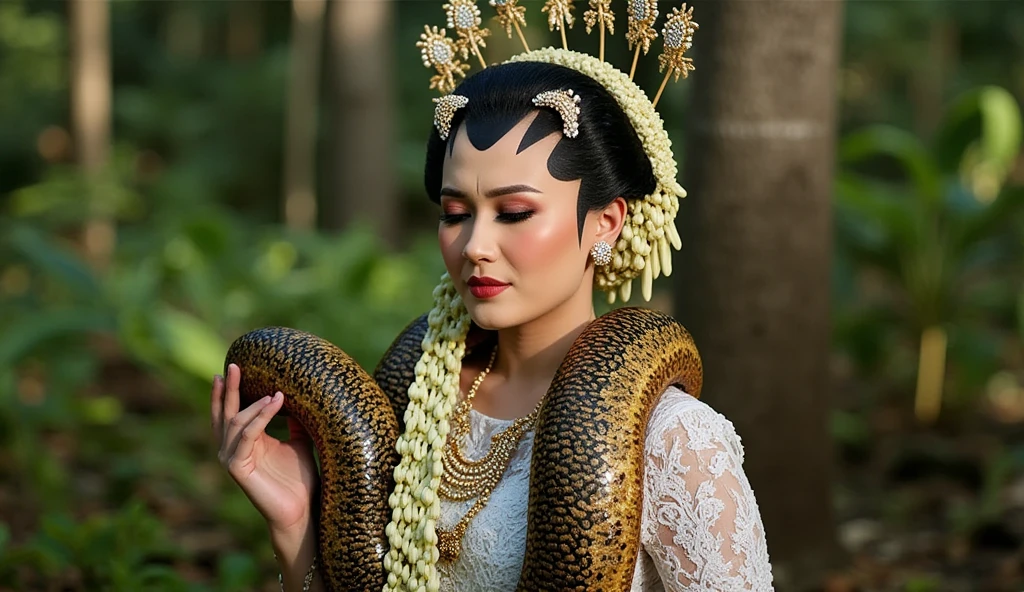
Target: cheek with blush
(546, 248)
(448, 239)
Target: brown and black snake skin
(586, 482)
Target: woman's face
(509, 233)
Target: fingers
(234, 426)
(255, 426)
(217, 407)
(231, 395)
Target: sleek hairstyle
(607, 156)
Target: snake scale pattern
(587, 468)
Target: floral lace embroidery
(701, 522)
(701, 528)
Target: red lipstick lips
(485, 287)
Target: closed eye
(452, 219)
(505, 218)
(513, 217)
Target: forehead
(464, 165)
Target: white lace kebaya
(701, 528)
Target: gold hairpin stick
(641, 17)
(678, 36)
(441, 53)
(559, 17)
(600, 14)
(464, 17)
(511, 15)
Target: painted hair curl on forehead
(607, 155)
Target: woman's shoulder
(681, 416)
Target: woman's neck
(534, 350)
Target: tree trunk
(299, 208)
(754, 281)
(90, 115)
(244, 37)
(364, 159)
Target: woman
(532, 193)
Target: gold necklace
(464, 479)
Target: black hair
(607, 156)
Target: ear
(609, 222)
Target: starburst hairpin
(464, 17)
(510, 15)
(567, 103)
(559, 17)
(678, 35)
(642, 14)
(441, 52)
(600, 14)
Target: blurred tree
(183, 29)
(754, 284)
(90, 113)
(363, 138)
(300, 210)
(244, 36)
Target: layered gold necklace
(464, 479)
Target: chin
(499, 313)
(490, 317)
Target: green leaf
(29, 332)
(54, 261)
(190, 343)
(904, 147)
(990, 220)
(874, 223)
(1001, 126)
(988, 116)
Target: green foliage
(183, 284)
(104, 378)
(934, 232)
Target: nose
(480, 245)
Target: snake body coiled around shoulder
(586, 481)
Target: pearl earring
(601, 252)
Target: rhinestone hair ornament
(567, 103)
(444, 112)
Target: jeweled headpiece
(645, 245)
(643, 249)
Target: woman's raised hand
(278, 477)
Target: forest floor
(936, 509)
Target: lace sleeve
(701, 524)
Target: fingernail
(278, 395)
(265, 400)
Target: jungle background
(175, 173)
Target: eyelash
(507, 218)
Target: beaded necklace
(464, 479)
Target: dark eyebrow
(499, 191)
(496, 192)
(452, 192)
